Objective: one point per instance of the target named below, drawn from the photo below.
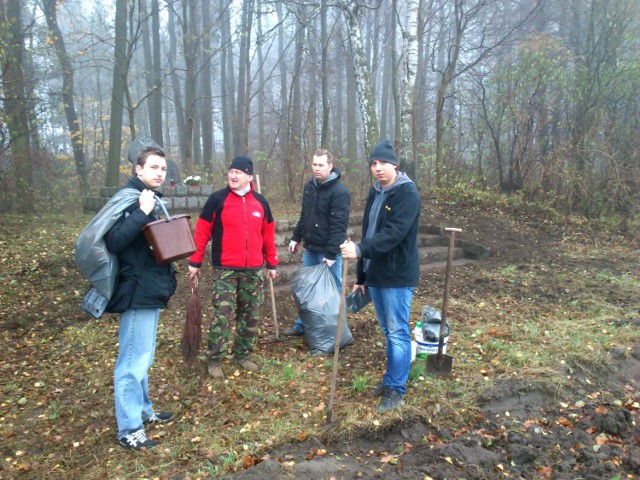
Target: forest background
(535, 98)
(519, 121)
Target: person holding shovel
(238, 222)
(143, 288)
(323, 222)
(388, 265)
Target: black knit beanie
(242, 163)
(383, 151)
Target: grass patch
(56, 371)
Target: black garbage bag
(318, 301)
(357, 300)
(431, 320)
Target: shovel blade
(439, 365)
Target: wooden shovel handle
(447, 282)
(336, 350)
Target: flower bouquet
(192, 180)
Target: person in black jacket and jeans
(323, 222)
(388, 264)
(143, 288)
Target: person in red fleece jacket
(238, 222)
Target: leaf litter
(520, 404)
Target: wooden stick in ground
(336, 351)
(273, 296)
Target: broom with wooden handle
(192, 330)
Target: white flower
(192, 179)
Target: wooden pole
(273, 296)
(336, 351)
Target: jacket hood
(401, 179)
(333, 176)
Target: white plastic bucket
(430, 348)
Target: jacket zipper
(246, 233)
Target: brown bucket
(170, 239)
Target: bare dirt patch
(525, 427)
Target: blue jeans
(392, 309)
(311, 258)
(137, 337)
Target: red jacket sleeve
(269, 242)
(201, 237)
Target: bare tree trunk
(144, 18)
(151, 53)
(408, 157)
(189, 49)
(284, 96)
(175, 79)
(422, 89)
(133, 35)
(324, 41)
(363, 84)
(395, 89)
(226, 81)
(206, 103)
(352, 122)
(294, 157)
(246, 111)
(15, 104)
(240, 117)
(75, 132)
(445, 80)
(117, 94)
(262, 141)
(155, 100)
(310, 136)
(388, 70)
(338, 114)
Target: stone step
(282, 283)
(432, 242)
(284, 257)
(428, 255)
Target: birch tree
(408, 158)
(361, 73)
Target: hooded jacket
(141, 282)
(389, 253)
(324, 217)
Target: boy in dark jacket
(388, 264)
(323, 222)
(143, 288)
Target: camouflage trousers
(239, 290)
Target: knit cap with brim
(383, 151)
(242, 163)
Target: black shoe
(390, 399)
(159, 417)
(378, 391)
(137, 441)
(292, 332)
